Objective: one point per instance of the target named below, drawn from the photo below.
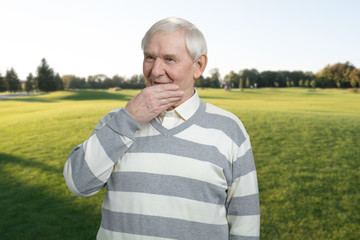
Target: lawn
(306, 145)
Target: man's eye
(149, 58)
(169, 59)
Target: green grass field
(306, 145)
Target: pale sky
(88, 37)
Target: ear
(200, 66)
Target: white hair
(194, 39)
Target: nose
(158, 68)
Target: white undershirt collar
(181, 113)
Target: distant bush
(114, 89)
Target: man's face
(166, 60)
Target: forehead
(167, 43)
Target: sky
(89, 37)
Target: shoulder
(212, 109)
(222, 120)
(225, 115)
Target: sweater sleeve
(89, 165)
(243, 207)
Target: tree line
(339, 75)
(101, 81)
(46, 80)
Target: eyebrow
(173, 56)
(147, 54)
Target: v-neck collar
(184, 111)
(170, 132)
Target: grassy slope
(306, 147)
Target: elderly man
(174, 166)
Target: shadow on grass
(29, 99)
(232, 95)
(211, 97)
(41, 211)
(25, 163)
(81, 95)
(251, 92)
(84, 95)
(312, 92)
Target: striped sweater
(195, 181)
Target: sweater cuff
(124, 124)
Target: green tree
(281, 78)
(338, 84)
(108, 83)
(241, 84)
(296, 76)
(3, 87)
(66, 79)
(199, 82)
(301, 83)
(45, 80)
(251, 76)
(78, 83)
(118, 81)
(215, 78)
(313, 84)
(355, 77)
(202, 82)
(137, 81)
(306, 84)
(267, 79)
(247, 83)
(96, 81)
(72, 81)
(58, 82)
(29, 84)
(232, 79)
(336, 75)
(12, 81)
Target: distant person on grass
(174, 166)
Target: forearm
(244, 211)
(90, 164)
(243, 201)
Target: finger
(167, 101)
(163, 91)
(172, 94)
(167, 107)
(165, 87)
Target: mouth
(160, 83)
(153, 81)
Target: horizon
(126, 78)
